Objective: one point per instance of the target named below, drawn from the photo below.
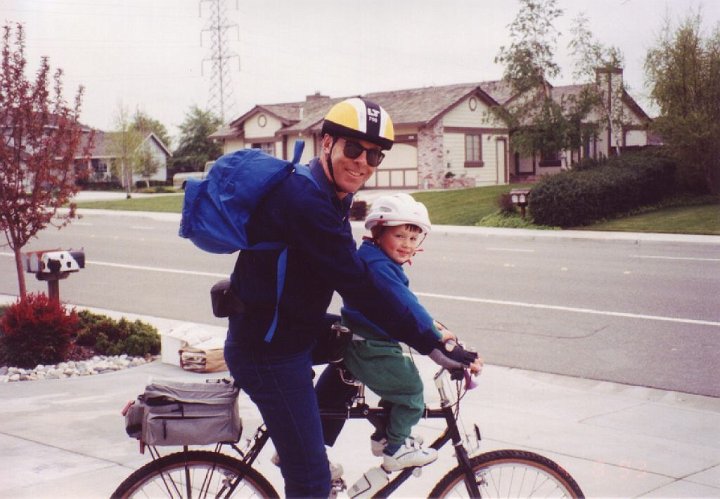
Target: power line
(221, 99)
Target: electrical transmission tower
(221, 100)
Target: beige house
(622, 126)
(99, 164)
(446, 136)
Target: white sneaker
(378, 446)
(336, 470)
(408, 456)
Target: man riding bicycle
(311, 218)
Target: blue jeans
(282, 388)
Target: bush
(109, 337)
(510, 221)
(155, 185)
(587, 164)
(36, 331)
(101, 185)
(358, 210)
(507, 207)
(159, 189)
(623, 183)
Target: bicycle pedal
(336, 487)
(417, 472)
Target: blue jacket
(322, 258)
(393, 276)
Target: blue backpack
(217, 209)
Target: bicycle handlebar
(463, 375)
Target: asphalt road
(635, 311)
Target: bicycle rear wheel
(511, 473)
(195, 474)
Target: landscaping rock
(97, 365)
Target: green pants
(384, 369)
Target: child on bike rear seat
(398, 225)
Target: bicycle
(498, 473)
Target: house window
(266, 147)
(550, 158)
(99, 166)
(473, 151)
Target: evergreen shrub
(581, 197)
(109, 337)
(505, 203)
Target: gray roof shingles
(417, 106)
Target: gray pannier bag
(178, 413)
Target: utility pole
(220, 99)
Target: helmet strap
(330, 168)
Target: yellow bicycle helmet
(362, 119)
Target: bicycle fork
(453, 434)
(464, 463)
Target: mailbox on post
(54, 265)
(520, 197)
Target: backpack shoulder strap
(282, 258)
(303, 170)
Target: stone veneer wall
(431, 157)
(610, 82)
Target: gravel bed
(98, 364)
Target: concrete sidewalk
(65, 438)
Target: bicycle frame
(510, 472)
(361, 410)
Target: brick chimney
(315, 97)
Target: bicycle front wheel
(511, 473)
(195, 474)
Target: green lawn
(464, 206)
(468, 206)
(163, 202)
(703, 219)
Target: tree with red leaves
(40, 139)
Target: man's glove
(452, 355)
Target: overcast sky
(152, 54)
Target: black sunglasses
(353, 150)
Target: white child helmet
(398, 209)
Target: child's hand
(477, 365)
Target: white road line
(156, 269)
(677, 258)
(570, 309)
(516, 250)
(143, 267)
(442, 297)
